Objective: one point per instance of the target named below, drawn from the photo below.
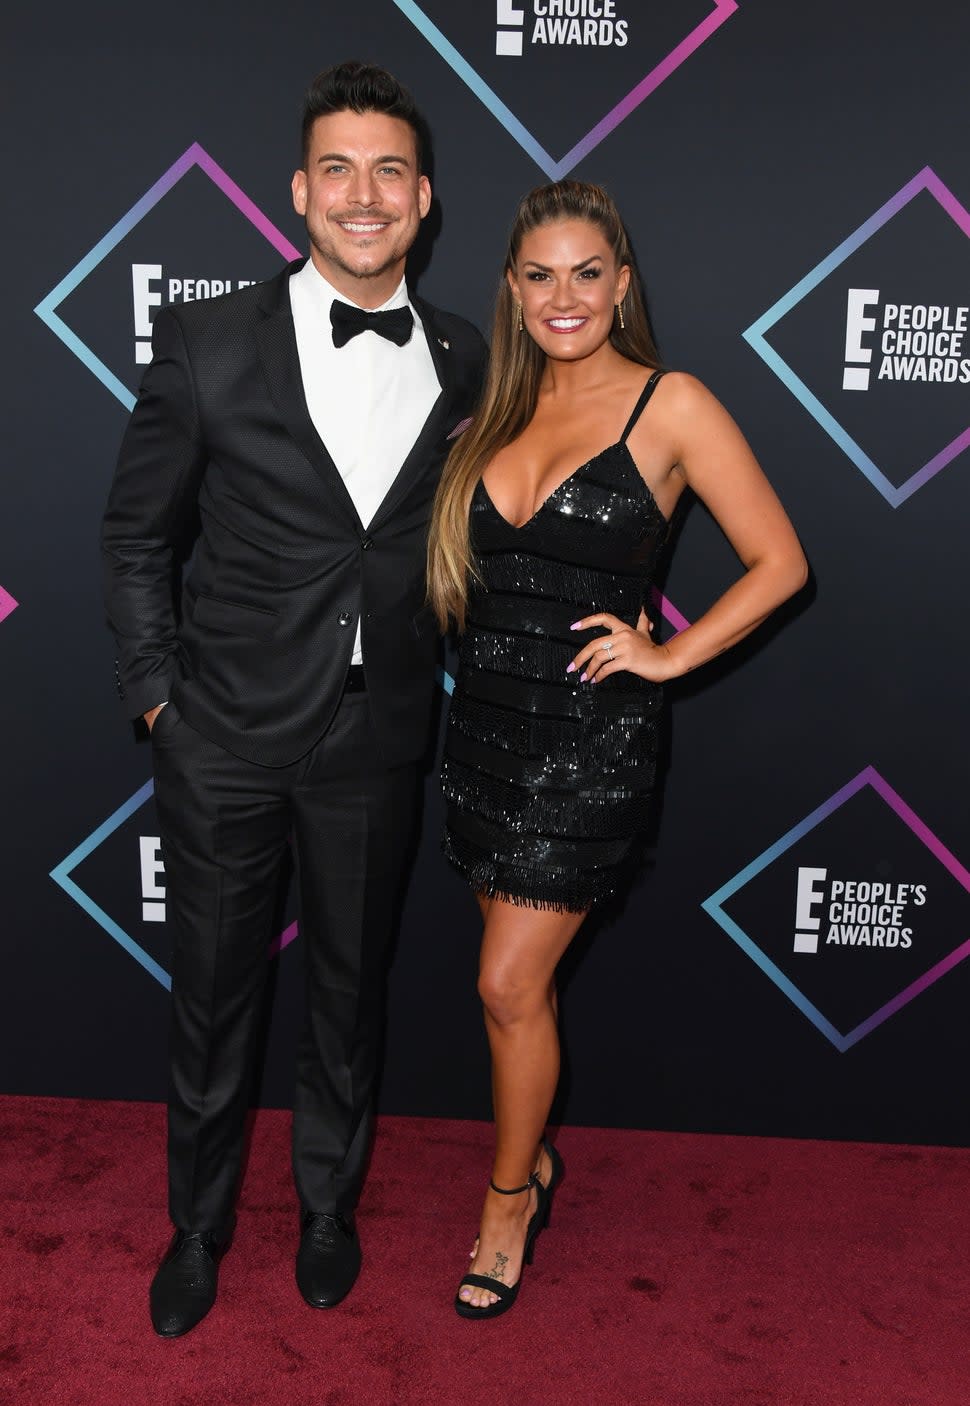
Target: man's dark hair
(362, 87)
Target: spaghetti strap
(645, 395)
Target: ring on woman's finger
(609, 648)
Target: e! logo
(807, 896)
(144, 297)
(856, 378)
(152, 893)
(508, 43)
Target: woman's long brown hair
(511, 389)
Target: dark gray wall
(794, 141)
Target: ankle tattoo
(500, 1262)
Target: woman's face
(568, 284)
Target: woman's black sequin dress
(547, 780)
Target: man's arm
(155, 486)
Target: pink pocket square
(461, 427)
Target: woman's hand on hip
(624, 647)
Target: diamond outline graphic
(669, 611)
(713, 907)
(61, 874)
(7, 604)
(555, 170)
(195, 155)
(927, 180)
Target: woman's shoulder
(673, 384)
(680, 394)
(680, 408)
(680, 384)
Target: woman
(551, 513)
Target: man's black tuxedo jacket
(221, 444)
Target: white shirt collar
(324, 294)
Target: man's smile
(363, 226)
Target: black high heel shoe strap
(494, 1286)
(505, 1294)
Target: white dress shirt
(368, 400)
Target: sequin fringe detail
(602, 815)
(628, 739)
(548, 814)
(521, 656)
(526, 574)
(548, 888)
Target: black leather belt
(355, 681)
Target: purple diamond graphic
(867, 778)
(194, 156)
(721, 10)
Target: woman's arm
(709, 452)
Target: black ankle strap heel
(506, 1294)
(516, 1190)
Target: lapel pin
(443, 341)
(461, 427)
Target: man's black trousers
(224, 825)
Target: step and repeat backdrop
(796, 183)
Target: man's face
(363, 200)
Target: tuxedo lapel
(444, 365)
(276, 340)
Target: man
(293, 432)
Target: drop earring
(520, 325)
(619, 308)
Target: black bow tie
(396, 324)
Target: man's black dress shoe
(184, 1287)
(328, 1260)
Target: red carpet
(679, 1271)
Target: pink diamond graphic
(721, 11)
(7, 604)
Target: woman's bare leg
(521, 948)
